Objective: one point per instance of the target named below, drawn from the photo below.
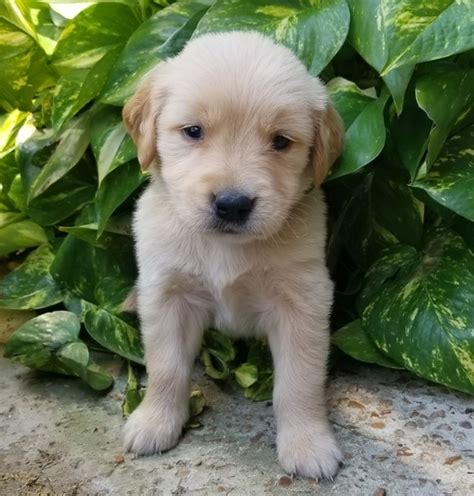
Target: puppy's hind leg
(173, 319)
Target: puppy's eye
(193, 132)
(280, 142)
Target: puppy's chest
(231, 277)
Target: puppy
(231, 231)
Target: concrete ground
(400, 435)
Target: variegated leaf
(445, 94)
(111, 144)
(114, 334)
(116, 188)
(161, 36)
(78, 87)
(367, 222)
(418, 307)
(365, 129)
(314, 29)
(73, 142)
(31, 286)
(354, 340)
(371, 36)
(50, 342)
(19, 235)
(96, 31)
(450, 180)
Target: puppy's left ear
(328, 141)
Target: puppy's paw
(310, 451)
(147, 432)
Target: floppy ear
(140, 115)
(328, 141)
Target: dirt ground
(401, 436)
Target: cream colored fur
(269, 278)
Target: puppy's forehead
(242, 73)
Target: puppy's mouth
(223, 227)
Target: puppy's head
(237, 130)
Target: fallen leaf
(356, 404)
(378, 425)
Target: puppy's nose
(232, 206)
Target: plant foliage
(401, 196)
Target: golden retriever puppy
(230, 233)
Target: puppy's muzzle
(232, 206)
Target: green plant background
(401, 196)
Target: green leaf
(51, 330)
(19, 235)
(111, 144)
(354, 340)
(371, 35)
(104, 276)
(60, 201)
(50, 342)
(418, 307)
(307, 27)
(348, 99)
(217, 352)
(410, 133)
(369, 222)
(78, 87)
(90, 232)
(261, 390)
(197, 403)
(73, 143)
(246, 375)
(450, 180)
(31, 286)
(445, 94)
(115, 189)
(115, 334)
(24, 67)
(364, 138)
(421, 31)
(163, 35)
(93, 33)
(133, 393)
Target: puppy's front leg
(173, 320)
(299, 342)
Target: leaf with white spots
(418, 307)
(450, 181)
(313, 30)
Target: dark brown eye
(280, 142)
(193, 132)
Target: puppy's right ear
(140, 116)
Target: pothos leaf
(31, 286)
(418, 307)
(306, 27)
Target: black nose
(232, 206)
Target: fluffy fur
(268, 275)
